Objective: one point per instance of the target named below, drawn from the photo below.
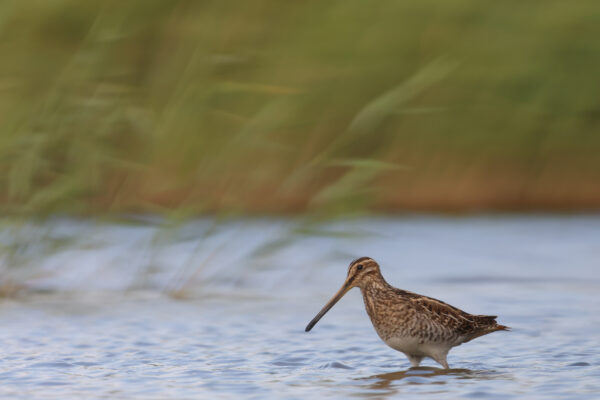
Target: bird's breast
(390, 318)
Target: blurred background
(267, 107)
(158, 155)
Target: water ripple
(248, 341)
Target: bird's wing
(442, 319)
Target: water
(205, 311)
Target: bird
(416, 325)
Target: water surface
(205, 311)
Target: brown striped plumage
(419, 326)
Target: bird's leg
(414, 360)
(441, 359)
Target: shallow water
(126, 311)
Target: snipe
(418, 326)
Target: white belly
(412, 346)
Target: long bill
(336, 297)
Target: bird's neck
(374, 284)
(377, 295)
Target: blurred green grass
(269, 106)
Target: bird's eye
(359, 267)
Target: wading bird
(418, 326)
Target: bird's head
(361, 271)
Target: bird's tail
(488, 324)
(499, 327)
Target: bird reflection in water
(423, 376)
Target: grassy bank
(272, 106)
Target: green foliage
(182, 107)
